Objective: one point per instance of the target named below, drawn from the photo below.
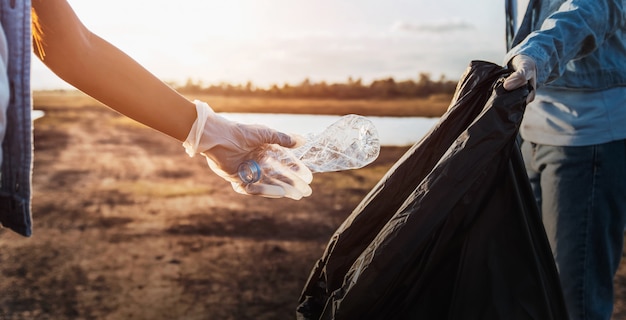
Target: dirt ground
(127, 226)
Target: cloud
(433, 26)
(331, 58)
(320, 57)
(366, 57)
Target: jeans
(581, 193)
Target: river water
(392, 131)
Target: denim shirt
(576, 44)
(17, 146)
(579, 48)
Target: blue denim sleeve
(17, 146)
(573, 31)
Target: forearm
(104, 72)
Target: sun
(184, 19)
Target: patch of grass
(155, 189)
(63, 99)
(122, 121)
(433, 106)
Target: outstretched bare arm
(107, 74)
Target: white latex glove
(226, 144)
(525, 71)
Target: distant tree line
(387, 88)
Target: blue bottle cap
(249, 171)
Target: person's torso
(566, 117)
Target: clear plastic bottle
(349, 143)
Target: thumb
(285, 140)
(279, 138)
(516, 80)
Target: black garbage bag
(452, 231)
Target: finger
(265, 190)
(273, 189)
(300, 170)
(272, 136)
(531, 96)
(294, 187)
(260, 189)
(275, 184)
(295, 170)
(239, 188)
(299, 140)
(283, 139)
(515, 80)
(533, 84)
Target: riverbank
(433, 106)
(127, 226)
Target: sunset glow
(283, 41)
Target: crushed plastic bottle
(349, 143)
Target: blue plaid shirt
(580, 51)
(17, 146)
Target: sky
(287, 41)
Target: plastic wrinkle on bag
(452, 231)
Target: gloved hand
(226, 144)
(525, 71)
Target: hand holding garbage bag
(452, 230)
(525, 71)
(226, 144)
